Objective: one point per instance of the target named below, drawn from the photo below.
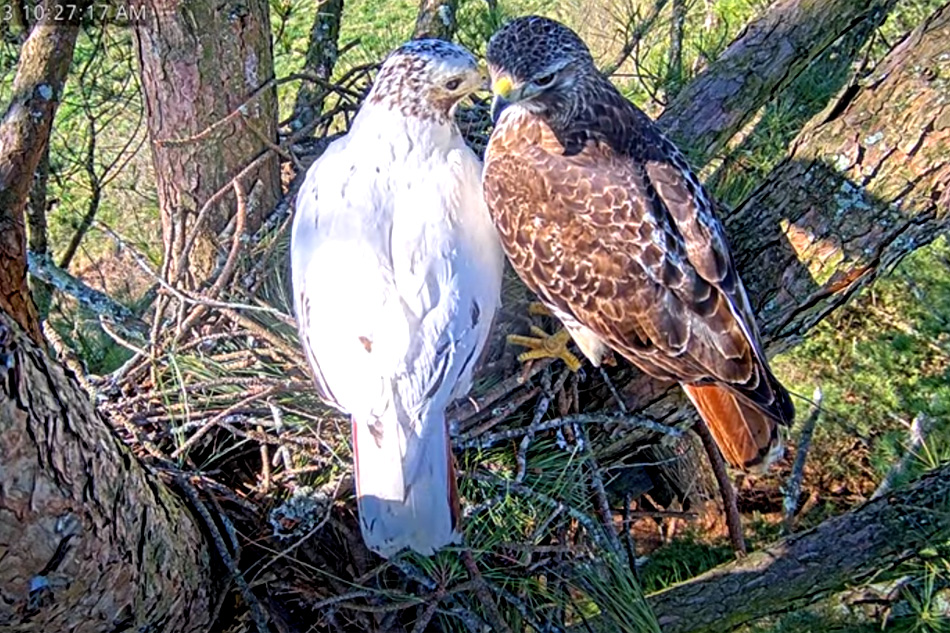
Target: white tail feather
(404, 484)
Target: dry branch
(726, 490)
(42, 267)
(803, 568)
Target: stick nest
(217, 399)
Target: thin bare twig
(613, 390)
(217, 419)
(483, 594)
(501, 413)
(589, 524)
(544, 403)
(205, 210)
(633, 39)
(257, 610)
(728, 492)
(472, 440)
(600, 495)
(466, 410)
(793, 488)
(919, 428)
(228, 269)
(630, 546)
(181, 295)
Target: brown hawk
(601, 216)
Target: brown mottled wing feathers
(625, 241)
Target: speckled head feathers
(426, 78)
(531, 46)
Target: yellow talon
(538, 309)
(544, 345)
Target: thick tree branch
(766, 57)
(42, 267)
(24, 134)
(859, 190)
(321, 59)
(436, 19)
(89, 540)
(803, 568)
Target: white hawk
(397, 275)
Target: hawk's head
(426, 78)
(538, 63)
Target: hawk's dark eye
(544, 80)
(453, 84)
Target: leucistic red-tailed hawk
(602, 218)
(397, 274)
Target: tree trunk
(806, 567)
(436, 19)
(321, 58)
(89, 540)
(863, 185)
(24, 133)
(210, 119)
(765, 58)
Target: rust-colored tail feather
(748, 437)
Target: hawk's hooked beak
(502, 88)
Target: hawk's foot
(544, 345)
(537, 308)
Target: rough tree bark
(321, 58)
(24, 132)
(862, 186)
(803, 568)
(201, 62)
(765, 58)
(436, 19)
(89, 540)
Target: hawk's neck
(383, 120)
(603, 115)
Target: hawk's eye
(453, 84)
(544, 80)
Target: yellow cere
(502, 87)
